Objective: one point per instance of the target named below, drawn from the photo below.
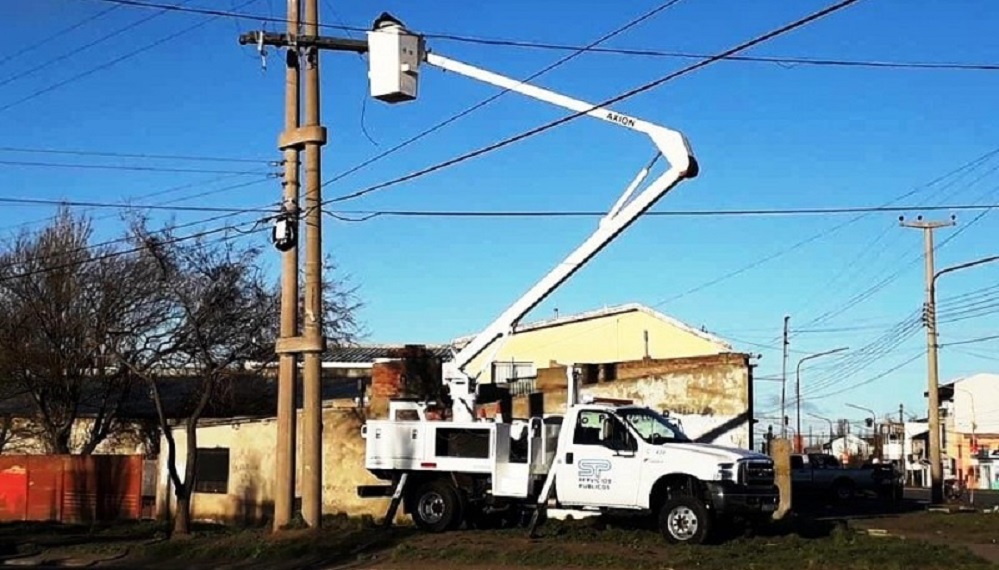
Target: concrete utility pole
(284, 492)
(312, 420)
(797, 388)
(783, 382)
(310, 137)
(933, 380)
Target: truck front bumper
(732, 499)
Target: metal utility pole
(933, 380)
(783, 381)
(309, 137)
(284, 481)
(797, 386)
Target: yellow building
(615, 334)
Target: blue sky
(766, 135)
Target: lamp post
(797, 390)
(933, 374)
(816, 416)
(874, 424)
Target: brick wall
(386, 383)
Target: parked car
(822, 475)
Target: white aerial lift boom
(601, 455)
(395, 55)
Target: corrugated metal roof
(368, 353)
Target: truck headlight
(726, 472)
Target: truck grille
(757, 473)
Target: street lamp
(874, 425)
(933, 372)
(797, 389)
(816, 416)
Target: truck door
(600, 467)
(801, 473)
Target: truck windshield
(653, 427)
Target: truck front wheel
(436, 506)
(684, 520)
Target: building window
(212, 471)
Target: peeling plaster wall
(251, 444)
(711, 395)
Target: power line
(855, 361)
(146, 156)
(900, 269)
(864, 382)
(626, 95)
(217, 13)
(875, 378)
(371, 214)
(826, 232)
(164, 192)
(503, 42)
(790, 60)
(88, 247)
(56, 35)
(34, 164)
(45, 64)
(426, 132)
(971, 340)
(871, 354)
(119, 253)
(110, 63)
(119, 206)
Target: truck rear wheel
(436, 506)
(842, 491)
(684, 520)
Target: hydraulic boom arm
(671, 144)
(395, 56)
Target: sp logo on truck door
(591, 474)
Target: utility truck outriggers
(601, 455)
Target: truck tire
(436, 506)
(842, 491)
(684, 520)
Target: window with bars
(212, 471)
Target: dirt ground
(908, 541)
(979, 533)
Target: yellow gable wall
(612, 338)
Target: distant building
(849, 448)
(622, 333)
(970, 429)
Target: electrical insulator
(285, 232)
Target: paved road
(982, 499)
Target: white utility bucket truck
(601, 456)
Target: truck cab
(634, 458)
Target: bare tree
(220, 316)
(62, 303)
